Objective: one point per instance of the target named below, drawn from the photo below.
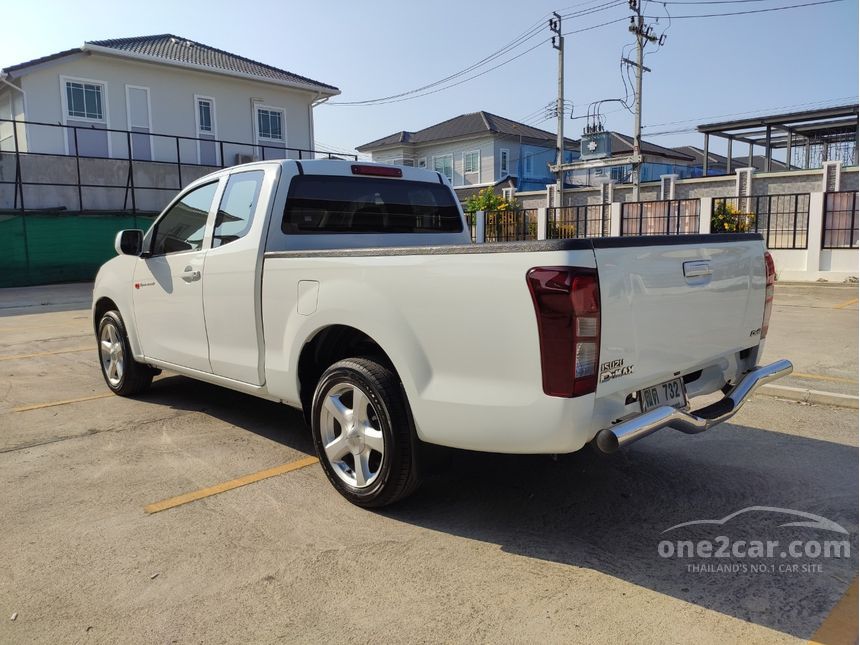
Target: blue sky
(708, 67)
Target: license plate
(668, 393)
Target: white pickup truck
(353, 291)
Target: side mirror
(129, 242)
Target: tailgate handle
(697, 269)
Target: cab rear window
(330, 204)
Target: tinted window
(237, 207)
(182, 227)
(326, 204)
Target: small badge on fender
(613, 369)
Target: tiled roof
(719, 161)
(175, 49)
(699, 155)
(462, 126)
(623, 144)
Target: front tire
(123, 375)
(364, 434)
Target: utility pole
(558, 44)
(643, 36)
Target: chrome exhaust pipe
(640, 426)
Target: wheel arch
(329, 345)
(100, 308)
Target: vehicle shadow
(609, 514)
(270, 420)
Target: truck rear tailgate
(670, 306)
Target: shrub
(728, 219)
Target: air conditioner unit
(240, 159)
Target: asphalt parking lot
(95, 547)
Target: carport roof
(833, 123)
(175, 50)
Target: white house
(157, 98)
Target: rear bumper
(640, 426)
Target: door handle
(697, 269)
(190, 275)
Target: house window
(204, 115)
(445, 166)
(84, 100)
(270, 124)
(528, 165)
(471, 161)
(504, 155)
(422, 162)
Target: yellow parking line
(179, 500)
(59, 351)
(51, 404)
(840, 626)
(818, 377)
(847, 303)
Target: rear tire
(364, 434)
(123, 375)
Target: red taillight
(567, 305)
(376, 171)
(770, 273)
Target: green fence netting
(45, 248)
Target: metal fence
(510, 226)
(667, 217)
(840, 226)
(783, 220)
(128, 148)
(577, 221)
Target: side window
(237, 207)
(182, 227)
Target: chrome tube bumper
(640, 426)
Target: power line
(446, 87)
(610, 22)
(693, 2)
(770, 109)
(744, 13)
(520, 40)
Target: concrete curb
(810, 396)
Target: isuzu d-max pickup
(353, 291)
